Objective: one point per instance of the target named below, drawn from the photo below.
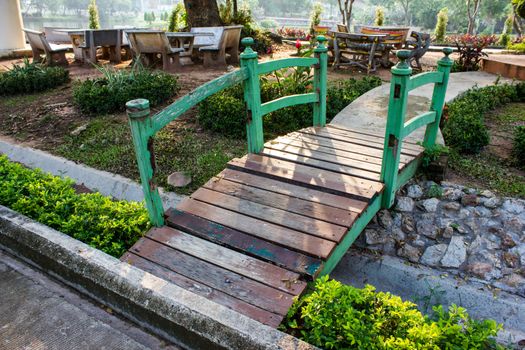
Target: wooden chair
(341, 28)
(362, 49)
(39, 45)
(149, 44)
(215, 55)
(419, 47)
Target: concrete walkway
(370, 110)
(38, 313)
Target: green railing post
(397, 107)
(141, 131)
(320, 81)
(252, 97)
(438, 98)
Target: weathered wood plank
(320, 179)
(250, 291)
(313, 210)
(280, 217)
(320, 164)
(240, 241)
(291, 239)
(294, 191)
(369, 132)
(257, 270)
(258, 314)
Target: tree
(345, 7)
(473, 7)
(405, 4)
(380, 16)
(441, 26)
(93, 15)
(519, 7)
(202, 13)
(177, 18)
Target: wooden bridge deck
(252, 237)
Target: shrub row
(109, 225)
(225, 112)
(31, 77)
(337, 316)
(464, 129)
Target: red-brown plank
(250, 245)
(409, 139)
(319, 179)
(250, 291)
(214, 295)
(266, 213)
(291, 239)
(313, 210)
(255, 269)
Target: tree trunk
(472, 13)
(345, 7)
(202, 13)
(516, 22)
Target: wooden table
(364, 49)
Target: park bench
(215, 46)
(57, 35)
(40, 45)
(149, 44)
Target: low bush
(225, 112)
(464, 128)
(470, 49)
(337, 316)
(518, 146)
(109, 225)
(116, 87)
(31, 77)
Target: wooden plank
(369, 132)
(319, 179)
(291, 239)
(250, 291)
(344, 146)
(294, 191)
(313, 210)
(250, 245)
(280, 217)
(332, 158)
(263, 316)
(255, 269)
(319, 164)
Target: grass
(509, 115)
(13, 101)
(106, 144)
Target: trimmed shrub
(111, 92)
(518, 146)
(177, 18)
(315, 16)
(380, 16)
(93, 15)
(31, 77)
(337, 316)
(441, 25)
(109, 225)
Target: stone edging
(187, 319)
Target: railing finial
(320, 44)
(138, 108)
(248, 52)
(446, 60)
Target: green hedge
(464, 128)
(31, 77)
(225, 112)
(109, 225)
(518, 146)
(338, 316)
(111, 92)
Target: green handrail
(270, 66)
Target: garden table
(86, 41)
(184, 40)
(364, 49)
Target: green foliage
(518, 145)
(441, 25)
(93, 15)
(464, 128)
(380, 16)
(105, 224)
(434, 191)
(177, 18)
(225, 111)
(268, 24)
(31, 77)
(519, 46)
(315, 17)
(337, 316)
(505, 39)
(118, 86)
(433, 153)
(470, 49)
(520, 7)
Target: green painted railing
(396, 128)
(144, 126)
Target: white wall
(11, 35)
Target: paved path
(38, 313)
(369, 111)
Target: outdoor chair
(342, 28)
(419, 47)
(215, 53)
(54, 53)
(362, 50)
(149, 44)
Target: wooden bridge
(254, 235)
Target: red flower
(298, 44)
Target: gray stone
(515, 225)
(409, 252)
(398, 235)
(456, 253)
(510, 259)
(179, 179)
(415, 191)
(482, 212)
(375, 236)
(434, 254)
(471, 224)
(470, 200)
(430, 205)
(492, 203)
(448, 232)
(405, 204)
(407, 223)
(487, 194)
(507, 241)
(385, 218)
(464, 213)
(427, 229)
(79, 130)
(453, 206)
(480, 269)
(513, 206)
(452, 194)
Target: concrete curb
(390, 274)
(104, 182)
(187, 319)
